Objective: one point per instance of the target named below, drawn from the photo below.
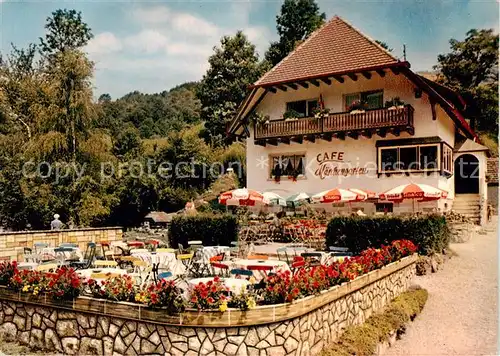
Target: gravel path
(460, 316)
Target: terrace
(337, 125)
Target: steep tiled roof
(492, 170)
(336, 47)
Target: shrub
(119, 288)
(64, 284)
(7, 271)
(210, 295)
(163, 294)
(430, 233)
(211, 229)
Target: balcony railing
(371, 120)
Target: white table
(278, 266)
(210, 251)
(235, 285)
(87, 273)
(166, 261)
(26, 265)
(48, 253)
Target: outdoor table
(278, 266)
(211, 251)
(87, 273)
(26, 265)
(235, 285)
(48, 254)
(162, 260)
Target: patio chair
(88, 257)
(108, 275)
(257, 257)
(39, 246)
(60, 254)
(171, 250)
(223, 268)
(298, 262)
(68, 244)
(46, 267)
(165, 275)
(142, 272)
(312, 259)
(237, 272)
(105, 263)
(260, 268)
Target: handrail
(338, 122)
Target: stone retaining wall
(65, 327)
(12, 243)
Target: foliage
(29, 281)
(285, 287)
(64, 284)
(65, 31)
(243, 301)
(118, 288)
(384, 45)
(211, 229)
(291, 114)
(396, 101)
(357, 105)
(296, 21)
(164, 294)
(7, 271)
(429, 233)
(233, 66)
(471, 68)
(363, 339)
(210, 295)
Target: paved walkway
(460, 316)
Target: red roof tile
(336, 47)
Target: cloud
(146, 41)
(193, 25)
(103, 43)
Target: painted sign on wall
(332, 164)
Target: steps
(468, 205)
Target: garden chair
(39, 246)
(46, 267)
(283, 255)
(68, 244)
(105, 263)
(29, 256)
(238, 272)
(186, 259)
(88, 257)
(223, 268)
(260, 268)
(257, 257)
(312, 259)
(164, 275)
(135, 244)
(108, 275)
(60, 254)
(171, 250)
(142, 272)
(298, 262)
(339, 251)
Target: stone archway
(466, 173)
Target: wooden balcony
(375, 121)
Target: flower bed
(278, 288)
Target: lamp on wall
(418, 93)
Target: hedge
(430, 233)
(211, 229)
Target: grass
(362, 340)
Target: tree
(233, 66)
(297, 20)
(471, 68)
(65, 31)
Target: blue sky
(152, 46)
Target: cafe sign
(333, 164)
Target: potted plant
(290, 115)
(260, 119)
(277, 172)
(357, 107)
(394, 103)
(319, 113)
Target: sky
(151, 46)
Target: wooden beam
(272, 141)
(381, 72)
(285, 140)
(410, 130)
(433, 109)
(314, 82)
(298, 139)
(327, 137)
(260, 143)
(304, 84)
(352, 76)
(367, 133)
(382, 132)
(272, 90)
(293, 86)
(396, 131)
(310, 138)
(282, 87)
(367, 75)
(340, 136)
(353, 135)
(326, 81)
(395, 70)
(339, 78)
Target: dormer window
(302, 108)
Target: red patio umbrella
(242, 197)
